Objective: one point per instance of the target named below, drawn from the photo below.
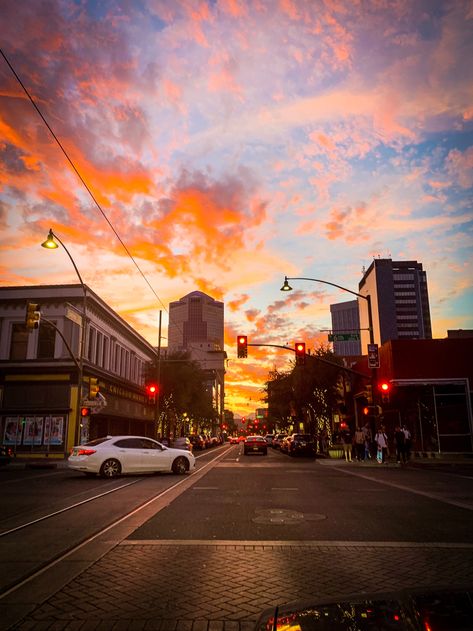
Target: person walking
(381, 440)
(399, 439)
(407, 443)
(359, 444)
(346, 441)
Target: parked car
(197, 441)
(4, 456)
(255, 444)
(233, 440)
(214, 441)
(111, 456)
(277, 440)
(269, 438)
(182, 442)
(301, 445)
(284, 444)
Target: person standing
(359, 444)
(368, 440)
(381, 441)
(407, 443)
(345, 438)
(399, 439)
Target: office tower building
(346, 322)
(399, 301)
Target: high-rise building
(346, 320)
(399, 301)
(196, 325)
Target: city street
(244, 533)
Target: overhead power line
(81, 179)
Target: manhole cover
(278, 516)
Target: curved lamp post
(287, 287)
(50, 244)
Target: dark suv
(301, 445)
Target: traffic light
(242, 346)
(33, 316)
(152, 390)
(385, 389)
(93, 387)
(85, 412)
(372, 410)
(369, 394)
(300, 353)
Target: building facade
(196, 325)
(346, 320)
(45, 373)
(399, 302)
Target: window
(98, 349)
(92, 335)
(106, 342)
(46, 341)
(72, 333)
(19, 341)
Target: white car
(115, 455)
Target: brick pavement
(181, 586)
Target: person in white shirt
(381, 440)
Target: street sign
(373, 356)
(343, 337)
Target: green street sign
(343, 337)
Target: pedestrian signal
(93, 387)
(242, 346)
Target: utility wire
(82, 179)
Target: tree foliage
(309, 393)
(183, 389)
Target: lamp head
(50, 244)
(286, 286)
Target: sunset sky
(232, 142)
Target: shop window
(19, 341)
(46, 341)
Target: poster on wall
(33, 430)
(54, 430)
(12, 435)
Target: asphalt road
(249, 532)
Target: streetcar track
(69, 551)
(66, 508)
(70, 507)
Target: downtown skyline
(232, 143)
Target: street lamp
(287, 287)
(50, 244)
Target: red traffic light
(384, 386)
(85, 411)
(242, 346)
(152, 388)
(300, 353)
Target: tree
(183, 389)
(310, 393)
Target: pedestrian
(381, 440)
(399, 439)
(359, 444)
(345, 438)
(368, 440)
(323, 441)
(407, 443)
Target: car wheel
(180, 465)
(111, 468)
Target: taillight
(85, 452)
